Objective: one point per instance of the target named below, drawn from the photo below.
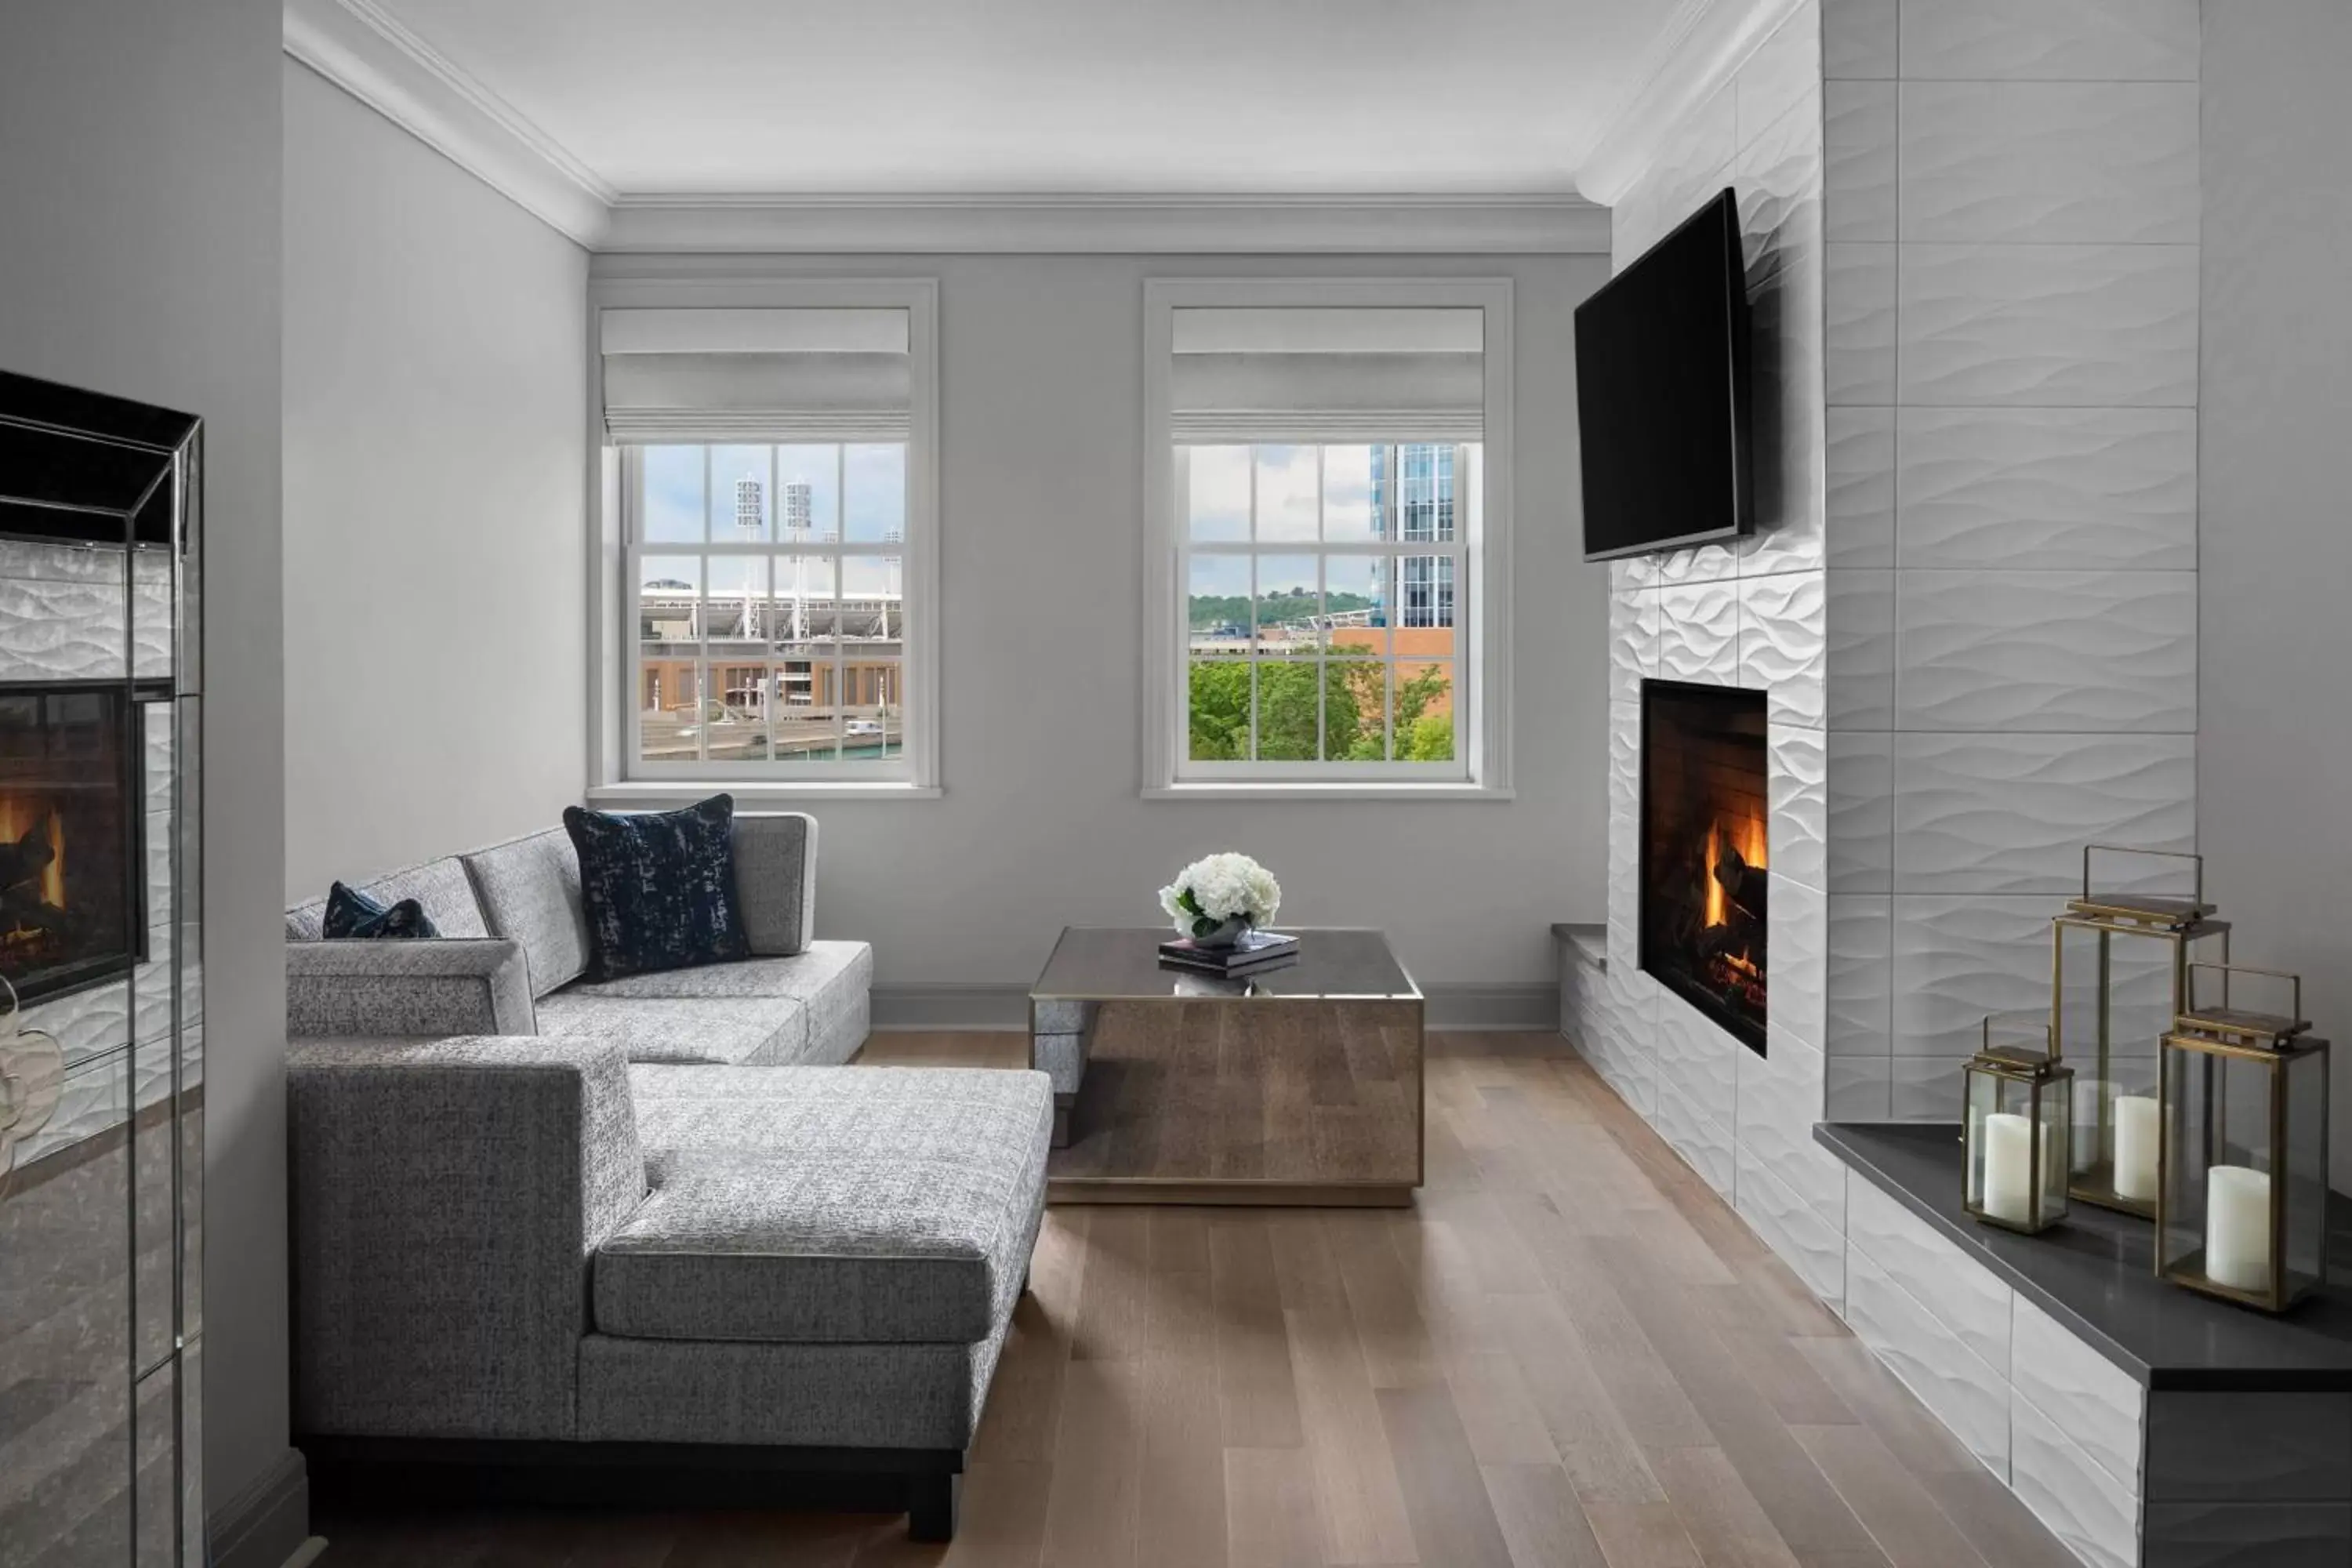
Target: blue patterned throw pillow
(658, 887)
(352, 914)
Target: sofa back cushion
(441, 886)
(531, 891)
(775, 881)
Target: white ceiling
(1121, 96)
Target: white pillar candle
(2238, 1227)
(2008, 1167)
(2138, 1125)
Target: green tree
(1353, 694)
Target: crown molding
(1109, 223)
(370, 55)
(356, 44)
(1702, 44)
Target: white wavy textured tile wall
(1695, 160)
(2063, 651)
(1787, 428)
(1926, 1089)
(1858, 39)
(1703, 1141)
(1699, 563)
(1784, 68)
(1858, 650)
(1697, 1058)
(2097, 1404)
(1782, 646)
(1796, 937)
(2059, 488)
(1806, 1241)
(1861, 812)
(1856, 1088)
(2055, 40)
(1858, 290)
(1956, 1292)
(2050, 162)
(1698, 633)
(1858, 160)
(1780, 1100)
(71, 630)
(1958, 959)
(1632, 642)
(1778, 176)
(1966, 1394)
(2081, 1504)
(1858, 1012)
(1859, 470)
(2010, 814)
(2067, 325)
(1796, 781)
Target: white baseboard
(1506, 1004)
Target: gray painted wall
(2275, 750)
(1042, 824)
(139, 255)
(435, 365)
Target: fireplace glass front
(1704, 850)
(71, 876)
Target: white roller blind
(682, 376)
(1327, 374)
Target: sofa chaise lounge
(646, 1238)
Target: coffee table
(1297, 1084)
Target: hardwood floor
(1570, 1355)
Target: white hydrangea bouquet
(1218, 898)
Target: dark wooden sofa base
(926, 1484)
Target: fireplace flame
(16, 818)
(1746, 835)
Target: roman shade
(1308, 374)
(735, 375)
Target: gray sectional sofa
(547, 1227)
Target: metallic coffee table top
(1120, 963)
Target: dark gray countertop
(2095, 1275)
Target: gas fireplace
(1704, 850)
(73, 880)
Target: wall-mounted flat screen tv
(1661, 394)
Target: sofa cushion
(745, 1031)
(441, 885)
(828, 1204)
(658, 887)
(829, 982)
(353, 916)
(775, 880)
(530, 890)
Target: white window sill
(1362, 789)
(667, 794)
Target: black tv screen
(1661, 394)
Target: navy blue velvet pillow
(658, 888)
(351, 913)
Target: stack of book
(1256, 952)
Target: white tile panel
(1698, 1059)
(1797, 940)
(2068, 651)
(1807, 1242)
(1925, 1089)
(2055, 489)
(1704, 1142)
(1698, 633)
(1858, 39)
(1778, 174)
(1785, 69)
(1856, 1088)
(2055, 40)
(1959, 1292)
(1858, 160)
(2096, 1403)
(1633, 617)
(1859, 467)
(2010, 814)
(1858, 294)
(1796, 783)
(1859, 650)
(1859, 1020)
(1861, 815)
(2058, 325)
(2084, 1506)
(1781, 644)
(1958, 959)
(1780, 1098)
(1966, 1394)
(2049, 163)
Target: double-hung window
(1327, 505)
(772, 474)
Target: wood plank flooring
(1570, 1355)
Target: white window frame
(1481, 549)
(616, 777)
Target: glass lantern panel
(2219, 1168)
(2303, 1166)
(2116, 996)
(2054, 1112)
(1983, 1100)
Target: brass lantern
(2016, 1123)
(2242, 1205)
(2124, 995)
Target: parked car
(864, 727)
